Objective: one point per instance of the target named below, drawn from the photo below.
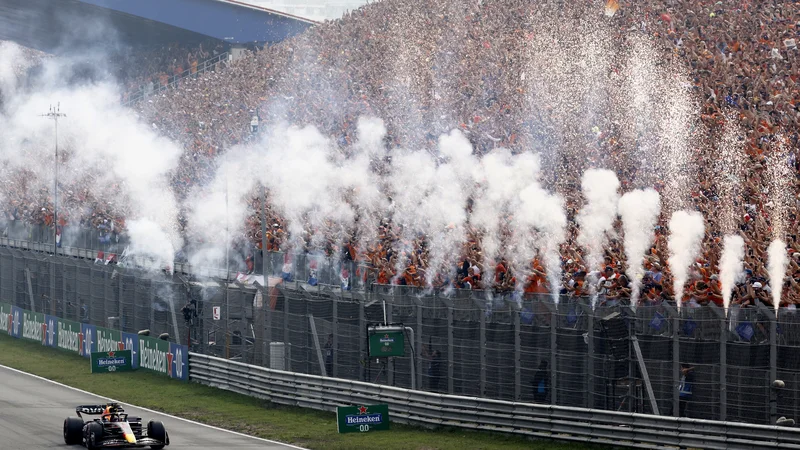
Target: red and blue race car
(114, 429)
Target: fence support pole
(30, 289)
(553, 307)
(676, 360)
(773, 359)
(391, 366)
(335, 340)
(723, 361)
(64, 293)
(482, 349)
(320, 358)
(286, 340)
(517, 358)
(419, 344)
(450, 352)
(122, 318)
(590, 381)
(362, 341)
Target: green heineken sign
(361, 419)
(386, 341)
(114, 361)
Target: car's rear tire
(94, 436)
(73, 430)
(156, 430)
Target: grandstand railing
(156, 87)
(489, 345)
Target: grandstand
(426, 67)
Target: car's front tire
(156, 430)
(73, 430)
(94, 435)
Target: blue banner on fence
(179, 361)
(15, 326)
(131, 341)
(51, 331)
(89, 334)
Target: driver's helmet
(110, 414)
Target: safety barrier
(536, 421)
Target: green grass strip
(304, 427)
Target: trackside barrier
(536, 421)
(163, 357)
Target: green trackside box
(385, 341)
(362, 419)
(114, 361)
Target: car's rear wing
(95, 410)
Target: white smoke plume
(730, 266)
(639, 210)
(687, 230)
(217, 212)
(600, 189)
(542, 216)
(500, 178)
(120, 162)
(777, 263)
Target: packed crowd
(143, 71)
(435, 65)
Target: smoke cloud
(777, 263)
(730, 266)
(639, 210)
(686, 234)
(104, 151)
(597, 216)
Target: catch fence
(467, 343)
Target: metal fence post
(362, 341)
(482, 349)
(391, 370)
(773, 359)
(517, 357)
(676, 361)
(553, 307)
(63, 292)
(590, 381)
(450, 352)
(335, 340)
(418, 349)
(286, 340)
(122, 318)
(723, 361)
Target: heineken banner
(113, 361)
(33, 326)
(386, 341)
(51, 331)
(109, 340)
(164, 357)
(69, 336)
(131, 342)
(362, 419)
(89, 338)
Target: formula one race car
(114, 429)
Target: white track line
(151, 410)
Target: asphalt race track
(32, 412)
